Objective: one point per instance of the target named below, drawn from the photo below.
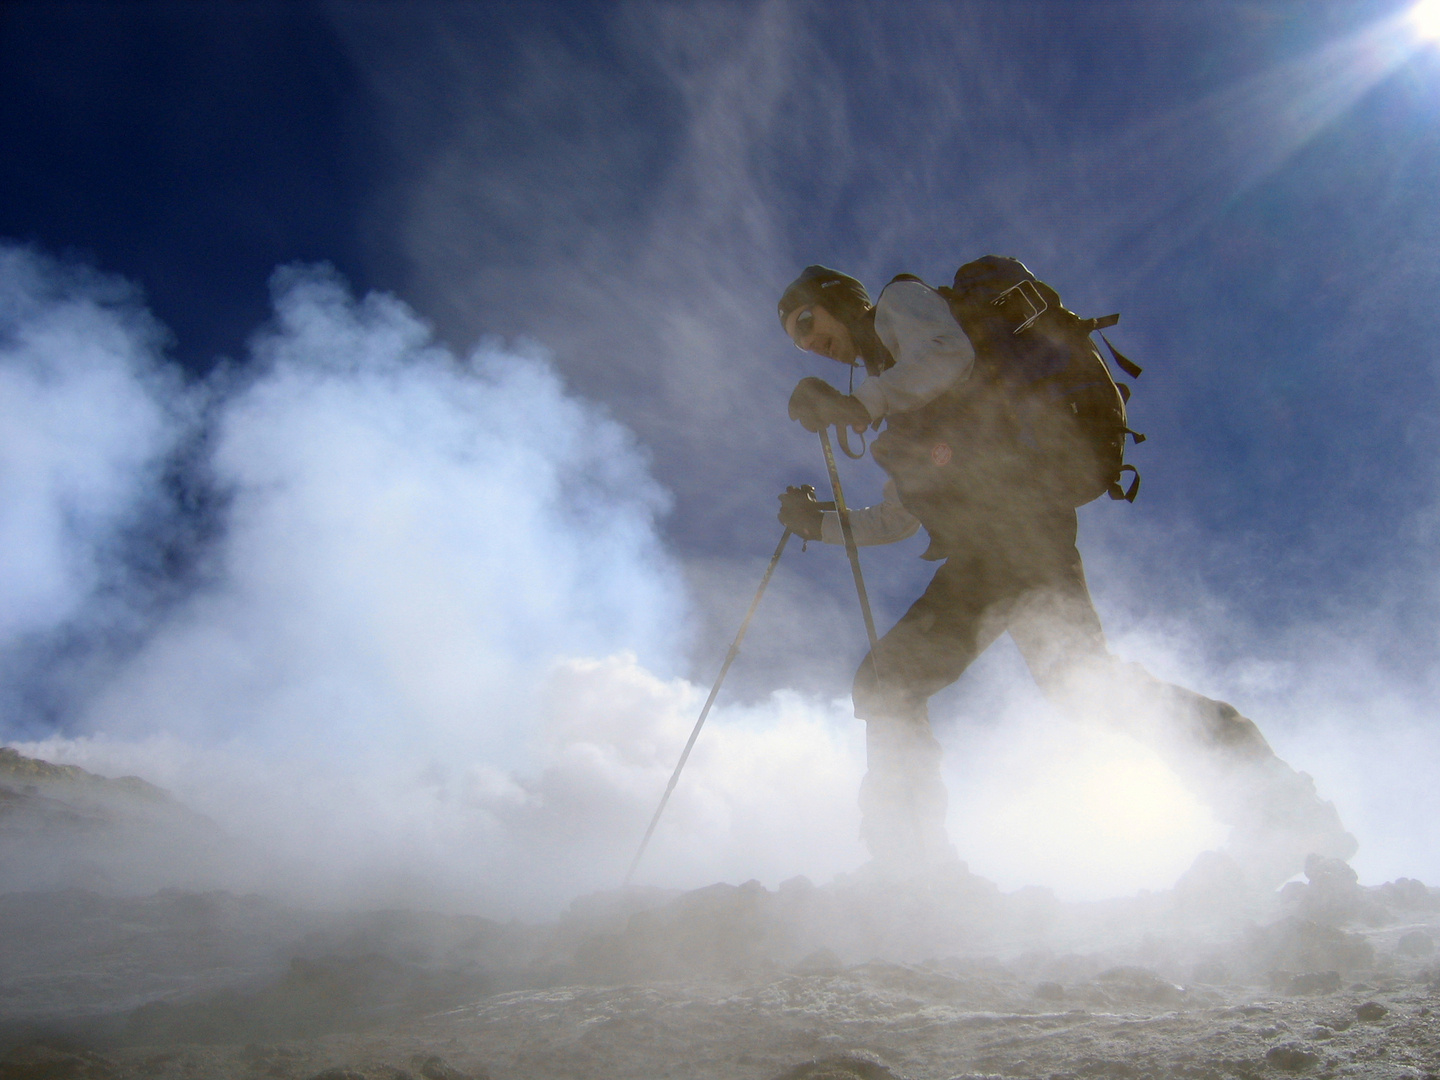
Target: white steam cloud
(428, 659)
(433, 653)
(87, 416)
(411, 540)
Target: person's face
(814, 329)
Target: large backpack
(1041, 411)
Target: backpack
(1046, 404)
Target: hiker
(991, 440)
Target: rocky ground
(944, 978)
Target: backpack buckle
(1027, 292)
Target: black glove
(817, 404)
(800, 513)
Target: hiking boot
(903, 799)
(1286, 822)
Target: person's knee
(1225, 727)
(1212, 725)
(890, 697)
(1082, 682)
(865, 691)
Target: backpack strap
(1123, 362)
(872, 350)
(1103, 322)
(1116, 492)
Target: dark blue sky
(1251, 184)
(190, 147)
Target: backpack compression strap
(1116, 492)
(1123, 362)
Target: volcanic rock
(1371, 1011)
(62, 827)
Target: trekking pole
(850, 548)
(854, 553)
(695, 733)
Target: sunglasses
(804, 326)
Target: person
(1004, 533)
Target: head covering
(840, 294)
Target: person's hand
(800, 513)
(816, 404)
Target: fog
(416, 621)
(429, 652)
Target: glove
(817, 404)
(800, 513)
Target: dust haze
(431, 653)
(396, 624)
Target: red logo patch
(941, 453)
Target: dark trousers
(1019, 571)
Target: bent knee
(884, 696)
(1227, 728)
(865, 691)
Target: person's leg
(1275, 814)
(1057, 630)
(902, 798)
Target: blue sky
(623, 189)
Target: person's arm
(930, 349)
(884, 523)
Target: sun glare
(1425, 17)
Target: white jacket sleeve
(884, 523)
(931, 352)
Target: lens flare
(1425, 18)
